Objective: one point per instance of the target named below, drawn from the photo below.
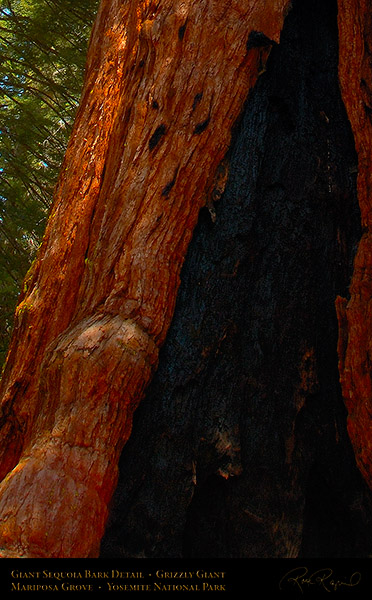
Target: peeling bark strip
(355, 315)
(98, 301)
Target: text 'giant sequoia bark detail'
(355, 316)
(154, 123)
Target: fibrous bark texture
(247, 452)
(355, 315)
(165, 82)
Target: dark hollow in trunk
(240, 447)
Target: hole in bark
(197, 99)
(168, 187)
(181, 31)
(170, 184)
(155, 105)
(200, 127)
(156, 136)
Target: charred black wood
(246, 452)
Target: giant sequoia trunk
(153, 125)
(247, 452)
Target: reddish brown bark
(355, 315)
(165, 82)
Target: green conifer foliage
(43, 47)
